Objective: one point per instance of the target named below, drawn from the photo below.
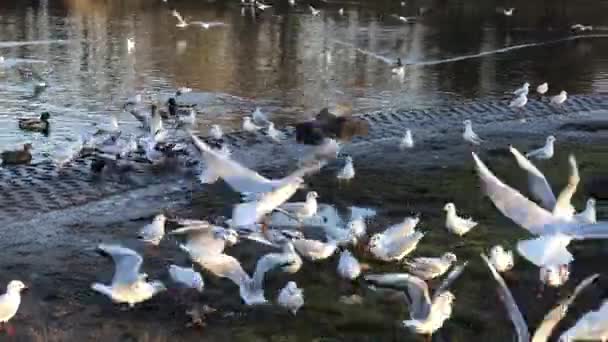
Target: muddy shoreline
(54, 253)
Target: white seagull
(274, 133)
(545, 152)
(181, 22)
(555, 232)
(542, 88)
(314, 11)
(551, 319)
(430, 268)
(128, 285)
(242, 179)
(341, 11)
(455, 223)
(348, 266)
(589, 214)
(468, 134)
(523, 90)
(501, 260)
(560, 98)
(519, 101)
(315, 250)
(187, 277)
(390, 246)
(259, 118)
(407, 141)
(427, 314)
(216, 132)
(249, 126)
(153, 233)
(291, 297)
(302, 210)
(130, 45)
(348, 171)
(10, 301)
(508, 11)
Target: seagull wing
(239, 178)
(226, 266)
(267, 263)
(451, 277)
(513, 204)
(539, 187)
(507, 299)
(563, 205)
(546, 250)
(552, 319)
(416, 289)
(127, 263)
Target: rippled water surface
(284, 59)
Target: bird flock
(266, 205)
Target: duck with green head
(36, 125)
(23, 156)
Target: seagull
(291, 297)
(501, 260)
(188, 120)
(261, 6)
(128, 285)
(130, 45)
(581, 28)
(405, 228)
(348, 171)
(292, 2)
(508, 11)
(181, 23)
(545, 152)
(302, 210)
(542, 88)
(249, 126)
(588, 215)
(2, 59)
(204, 239)
(153, 233)
(348, 266)
(403, 19)
(592, 326)
(560, 98)
(427, 314)
(398, 68)
(469, 135)
(555, 232)
(259, 118)
(183, 90)
(523, 90)
(389, 247)
(66, 153)
(187, 277)
(430, 268)
(407, 141)
(315, 250)
(519, 102)
(10, 301)
(274, 133)
(550, 321)
(216, 132)
(455, 223)
(341, 11)
(314, 11)
(242, 179)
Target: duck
(36, 125)
(330, 125)
(23, 156)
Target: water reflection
(284, 59)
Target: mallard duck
(36, 125)
(18, 157)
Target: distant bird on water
(543, 88)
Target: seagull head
(161, 218)
(526, 85)
(449, 207)
(563, 93)
(15, 286)
(550, 139)
(312, 195)
(451, 257)
(591, 203)
(467, 123)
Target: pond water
(284, 59)
(291, 64)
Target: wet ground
(53, 250)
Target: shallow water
(292, 64)
(285, 60)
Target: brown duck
(17, 157)
(329, 125)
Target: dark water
(291, 64)
(284, 59)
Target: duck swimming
(36, 125)
(17, 157)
